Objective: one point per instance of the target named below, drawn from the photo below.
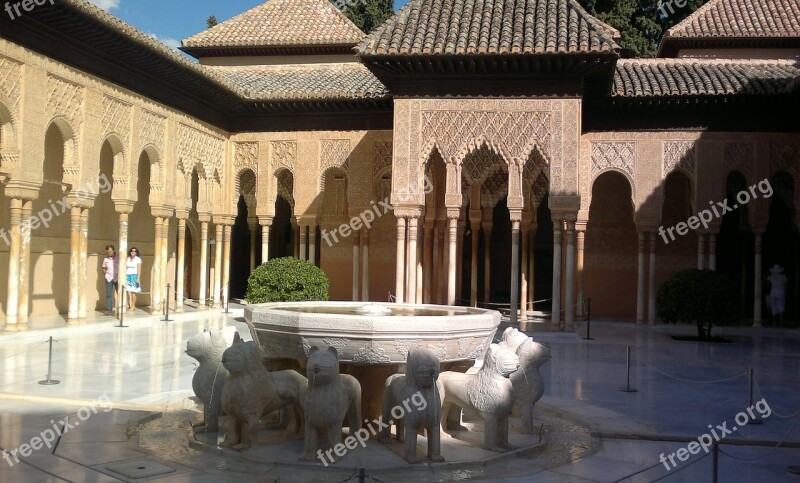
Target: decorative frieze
(200, 148)
(116, 117)
(152, 129)
(65, 99)
(619, 156)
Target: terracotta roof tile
(282, 23)
(436, 27)
(707, 77)
(303, 82)
(742, 18)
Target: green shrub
(703, 297)
(286, 280)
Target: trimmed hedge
(703, 297)
(286, 280)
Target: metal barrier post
(627, 387)
(166, 307)
(49, 381)
(588, 319)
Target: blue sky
(173, 20)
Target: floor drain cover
(140, 469)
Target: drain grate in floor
(136, 470)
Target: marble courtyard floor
(595, 432)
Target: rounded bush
(286, 280)
(703, 297)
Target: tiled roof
(282, 23)
(304, 82)
(707, 77)
(465, 27)
(742, 18)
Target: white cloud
(106, 4)
(169, 42)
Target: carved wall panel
(65, 99)
(334, 153)
(10, 84)
(200, 148)
(680, 154)
(152, 130)
(738, 157)
(116, 117)
(284, 155)
(619, 156)
(383, 157)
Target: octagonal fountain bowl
(371, 333)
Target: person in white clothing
(777, 292)
(132, 276)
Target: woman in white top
(134, 270)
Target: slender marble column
(712, 251)
(460, 261)
(487, 260)
(569, 304)
(531, 270)
(217, 263)
(579, 271)
(155, 283)
(251, 227)
(651, 282)
(473, 286)
(74, 262)
(203, 296)
(296, 239)
(265, 228)
(165, 257)
(757, 291)
(441, 272)
(180, 282)
(356, 264)
(226, 262)
(451, 265)
(428, 257)
(437, 271)
(312, 244)
(12, 303)
(701, 250)
(400, 265)
(523, 286)
(84, 246)
(123, 255)
(365, 265)
(419, 270)
(555, 320)
(514, 271)
(24, 267)
(640, 280)
(411, 269)
(303, 242)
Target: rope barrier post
(361, 475)
(226, 298)
(714, 462)
(627, 387)
(121, 310)
(49, 381)
(757, 419)
(166, 307)
(588, 319)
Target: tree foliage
(703, 297)
(286, 280)
(211, 21)
(366, 14)
(641, 23)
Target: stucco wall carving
(786, 157)
(680, 154)
(738, 157)
(334, 153)
(116, 117)
(619, 156)
(201, 148)
(284, 155)
(152, 130)
(10, 84)
(245, 156)
(383, 157)
(65, 99)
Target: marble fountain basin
(371, 333)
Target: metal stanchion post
(166, 307)
(49, 381)
(121, 309)
(588, 319)
(756, 419)
(627, 387)
(361, 475)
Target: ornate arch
(70, 164)
(284, 186)
(9, 148)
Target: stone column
(428, 257)
(124, 210)
(712, 251)
(640, 281)
(442, 259)
(400, 265)
(252, 225)
(555, 319)
(180, 282)
(165, 257)
(460, 261)
(514, 269)
(436, 265)
(226, 262)
(757, 291)
(296, 239)
(701, 250)
(581, 231)
(266, 223)
(312, 243)
(523, 286)
(569, 304)
(532, 264)
(452, 220)
(303, 241)
(651, 282)
(473, 286)
(365, 265)
(74, 262)
(411, 269)
(487, 257)
(24, 267)
(84, 245)
(155, 283)
(217, 263)
(356, 265)
(419, 269)
(203, 296)
(12, 303)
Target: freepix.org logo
(15, 9)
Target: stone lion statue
(252, 391)
(421, 387)
(528, 381)
(512, 339)
(210, 376)
(330, 397)
(488, 394)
